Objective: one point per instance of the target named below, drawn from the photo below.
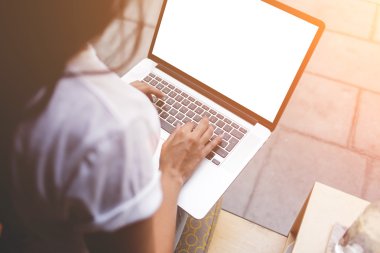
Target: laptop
(236, 62)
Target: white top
(85, 164)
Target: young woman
(77, 143)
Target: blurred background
(330, 131)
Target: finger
(148, 89)
(154, 91)
(201, 128)
(137, 83)
(207, 135)
(188, 127)
(173, 134)
(211, 145)
(153, 98)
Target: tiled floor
(330, 131)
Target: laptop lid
(246, 55)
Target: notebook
(235, 62)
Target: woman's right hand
(185, 148)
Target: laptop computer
(236, 62)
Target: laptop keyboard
(177, 107)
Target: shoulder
(100, 101)
(119, 99)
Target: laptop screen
(247, 50)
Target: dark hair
(37, 39)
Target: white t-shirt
(85, 164)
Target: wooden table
(236, 235)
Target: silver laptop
(236, 62)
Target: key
(243, 130)
(190, 114)
(159, 86)
(177, 105)
(166, 126)
(171, 119)
(237, 134)
(199, 110)
(147, 79)
(164, 115)
(170, 101)
(166, 108)
(223, 144)
(160, 103)
(179, 98)
(213, 119)
(227, 128)
(197, 118)
(185, 102)
(233, 141)
(180, 116)
(210, 155)
(220, 123)
(172, 94)
(227, 121)
(166, 90)
(185, 120)
(192, 106)
(183, 109)
(232, 144)
(220, 151)
(173, 112)
(215, 161)
(226, 136)
(206, 114)
(205, 107)
(218, 131)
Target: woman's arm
(180, 156)
(164, 220)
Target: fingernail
(154, 98)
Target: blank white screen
(247, 50)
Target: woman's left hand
(148, 90)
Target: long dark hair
(37, 39)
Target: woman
(77, 143)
